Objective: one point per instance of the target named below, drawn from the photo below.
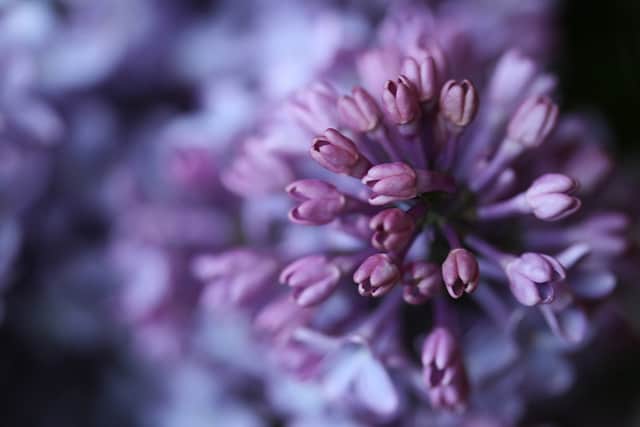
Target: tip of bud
(459, 102)
(400, 100)
(460, 272)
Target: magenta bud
(423, 75)
(533, 121)
(532, 277)
(390, 182)
(359, 111)
(339, 154)
(458, 102)
(422, 281)
(313, 279)
(460, 272)
(392, 230)
(548, 197)
(400, 100)
(320, 204)
(314, 108)
(444, 372)
(376, 275)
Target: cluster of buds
(431, 179)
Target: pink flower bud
(532, 277)
(458, 102)
(376, 275)
(400, 100)
(533, 121)
(390, 182)
(321, 202)
(444, 372)
(460, 272)
(339, 154)
(359, 111)
(422, 280)
(393, 229)
(548, 197)
(423, 74)
(313, 279)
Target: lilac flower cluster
(415, 237)
(445, 174)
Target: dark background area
(599, 68)
(599, 64)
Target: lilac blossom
(433, 178)
(445, 244)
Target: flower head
(439, 170)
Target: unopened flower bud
(444, 372)
(400, 100)
(391, 182)
(376, 275)
(422, 281)
(339, 154)
(458, 102)
(548, 197)
(393, 229)
(513, 74)
(359, 110)
(395, 181)
(532, 277)
(423, 74)
(460, 272)
(320, 204)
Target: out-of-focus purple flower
(320, 202)
(548, 198)
(422, 281)
(444, 372)
(532, 277)
(533, 121)
(359, 110)
(312, 278)
(314, 108)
